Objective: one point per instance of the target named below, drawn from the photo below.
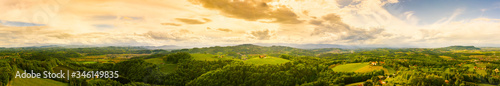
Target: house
(374, 63)
(262, 56)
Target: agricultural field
(446, 57)
(268, 60)
(394, 67)
(351, 67)
(108, 58)
(369, 68)
(361, 68)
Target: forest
(252, 65)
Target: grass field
(35, 82)
(361, 68)
(155, 60)
(269, 60)
(114, 58)
(349, 67)
(369, 69)
(446, 57)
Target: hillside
(460, 48)
(250, 49)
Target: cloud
(171, 24)
(262, 35)
(193, 21)
(332, 25)
(392, 1)
(62, 36)
(103, 26)
(104, 17)
(224, 29)
(14, 23)
(180, 35)
(252, 10)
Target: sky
(387, 23)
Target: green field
(351, 67)
(446, 57)
(369, 68)
(35, 82)
(155, 60)
(269, 60)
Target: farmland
(352, 67)
(268, 60)
(108, 58)
(245, 64)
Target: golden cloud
(251, 10)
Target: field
(114, 58)
(210, 57)
(35, 82)
(446, 57)
(361, 68)
(349, 67)
(369, 69)
(155, 60)
(268, 60)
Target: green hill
(269, 60)
(460, 48)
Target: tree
(177, 57)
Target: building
(262, 56)
(374, 63)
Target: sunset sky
(390, 23)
